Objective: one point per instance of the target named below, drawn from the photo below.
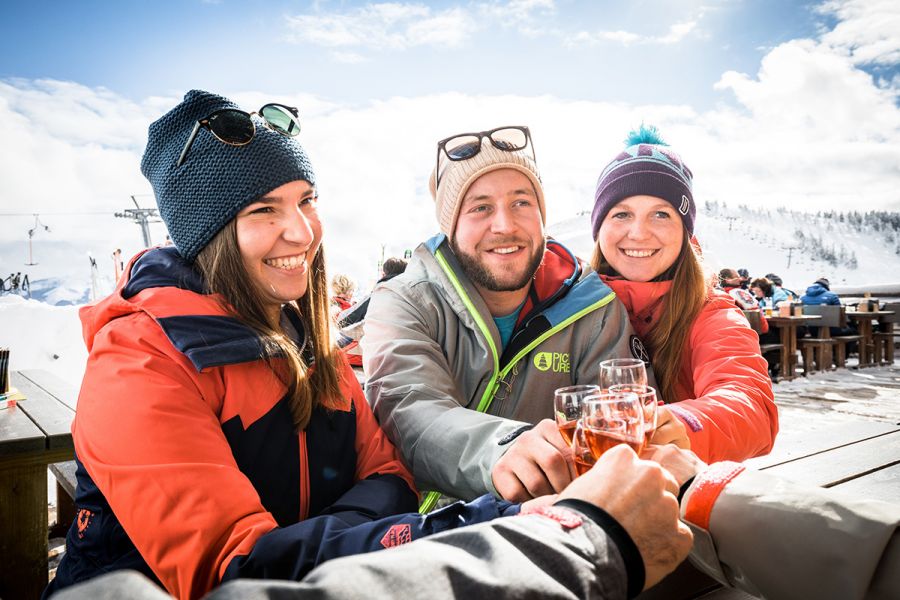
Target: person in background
(768, 295)
(731, 282)
(206, 447)
(706, 358)
(351, 319)
(342, 288)
(820, 293)
(391, 268)
(465, 349)
(776, 281)
(745, 278)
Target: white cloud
(676, 33)
(400, 26)
(807, 90)
(868, 30)
(350, 58)
(516, 12)
(394, 26)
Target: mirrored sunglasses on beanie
(236, 127)
(464, 146)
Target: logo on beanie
(638, 350)
(685, 205)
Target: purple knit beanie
(647, 167)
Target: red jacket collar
(643, 300)
(557, 273)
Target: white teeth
(509, 250)
(288, 262)
(638, 253)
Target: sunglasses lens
(281, 119)
(510, 138)
(463, 146)
(232, 126)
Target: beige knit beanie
(458, 176)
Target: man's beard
(480, 275)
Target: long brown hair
(221, 266)
(689, 292)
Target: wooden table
(33, 434)
(861, 458)
(867, 343)
(787, 327)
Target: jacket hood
(159, 283)
(815, 290)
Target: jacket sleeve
(780, 540)
(449, 447)
(731, 414)
(523, 557)
(291, 552)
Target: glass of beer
(617, 371)
(612, 418)
(567, 407)
(647, 396)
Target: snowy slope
(758, 241)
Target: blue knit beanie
(647, 167)
(216, 180)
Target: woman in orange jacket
(220, 434)
(706, 359)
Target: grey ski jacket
(446, 393)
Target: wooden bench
(33, 434)
(820, 351)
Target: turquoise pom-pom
(645, 134)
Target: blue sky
(640, 51)
(772, 103)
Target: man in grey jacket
(464, 350)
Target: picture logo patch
(558, 362)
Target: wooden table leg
(788, 351)
(23, 510)
(865, 330)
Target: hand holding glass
(567, 403)
(622, 371)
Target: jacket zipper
(304, 477)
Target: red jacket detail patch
(396, 535)
(84, 519)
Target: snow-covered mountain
(800, 247)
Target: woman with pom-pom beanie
(706, 359)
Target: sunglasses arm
(189, 143)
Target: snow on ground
(41, 336)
